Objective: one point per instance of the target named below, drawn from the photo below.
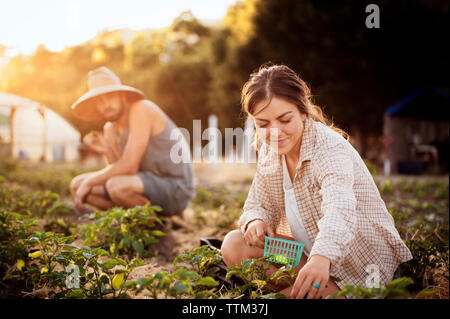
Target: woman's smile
(281, 141)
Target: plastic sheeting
(38, 132)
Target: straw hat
(100, 81)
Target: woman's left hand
(316, 270)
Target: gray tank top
(156, 158)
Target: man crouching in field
(136, 145)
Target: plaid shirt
(339, 203)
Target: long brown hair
(284, 83)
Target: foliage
(387, 188)
(201, 259)
(254, 273)
(192, 69)
(124, 231)
(395, 289)
(55, 178)
(427, 255)
(180, 283)
(51, 263)
(14, 230)
(31, 259)
(405, 185)
(46, 205)
(441, 191)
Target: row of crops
(46, 252)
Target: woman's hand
(316, 270)
(96, 142)
(256, 230)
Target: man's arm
(112, 155)
(128, 163)
(139, 118)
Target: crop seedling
(52, 261)
(131, 231)
(254, 274)
(181, 283)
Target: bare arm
(128, 163)
(112, 155)
(103, 144)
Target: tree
(355, 73)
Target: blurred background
(387, 87)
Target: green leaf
(110, 263)
(136, 263)
(188, 274)
(246, 264)
(180, 287)
(60, 258)
(158, 233)
(101, 252)
(142, 281)
(75, 293)
(104, 279)
(138, 247)
(259, 283)
(207, 281)
(231, 273)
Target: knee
(115, 188)
(232, 248)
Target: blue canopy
(429, 103)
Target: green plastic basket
(283, 251)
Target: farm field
(48, 250)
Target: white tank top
(292, 214)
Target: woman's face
(279, 124)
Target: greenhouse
(30, 130)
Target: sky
(24, 24)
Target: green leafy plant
(45, 205)
(395, 289)
(254, 273)
(427, 255)
(70, 271)
(55, 178)
(421, 189)
(124, 231)
(405, 185)
(181, 283)
(14, 231)
(441, 191)
(201, 259)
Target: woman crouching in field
(311, 186)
